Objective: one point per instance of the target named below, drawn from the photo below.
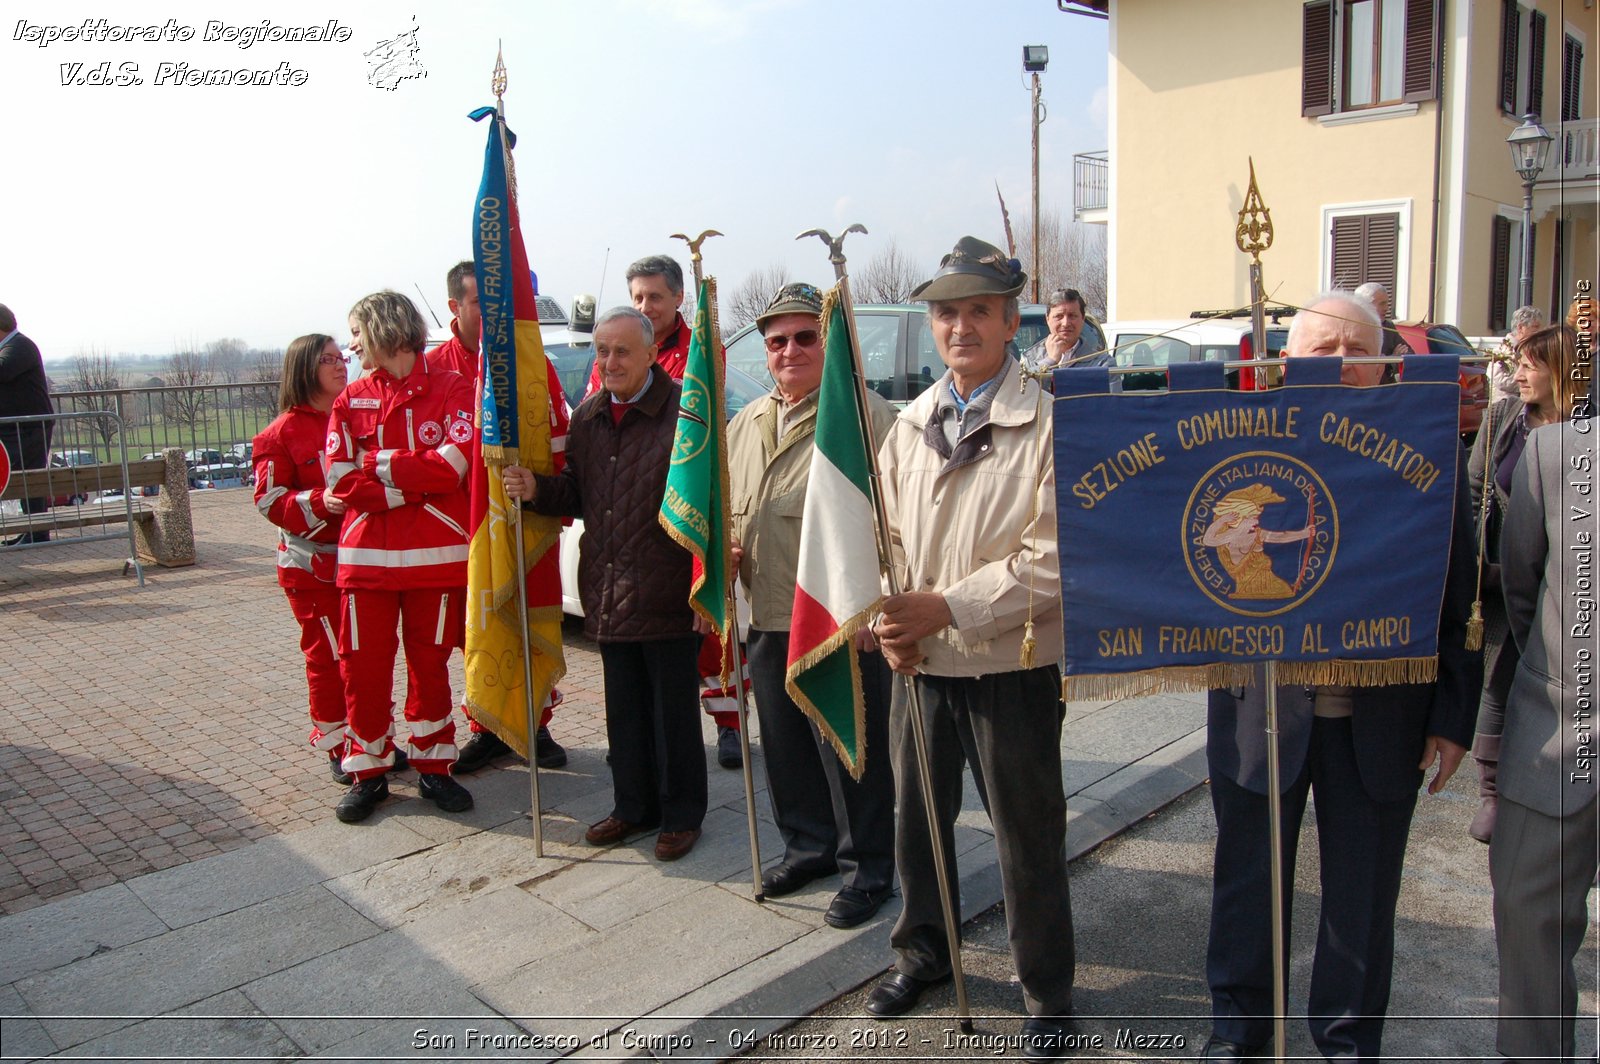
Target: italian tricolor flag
(837, 587)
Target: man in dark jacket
(634, 583)
(1362, 752)
(24, 392)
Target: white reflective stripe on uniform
(304, 499)
(383, 461)
(394, 497)
(458, 461)
(421, 729)
(268, 497)
(333, 637)
(411, 430)
(440, 514)
(402, 559)
(364, 762)
(332, 734)
(436, 752)
(355, 632)
(444, 606)
(337, 471)
(558, 445)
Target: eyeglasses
(333, 360)
(805, 338)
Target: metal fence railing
(1091, 187)
(212, 424)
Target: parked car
(1160, 342)
(73, 458)
(58, 461)
(203, 457)
(216, 475)
(1427, 338)
(897, 351)
(241, 452)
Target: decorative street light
(1035, 57)
(1530, 148)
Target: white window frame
(1400, 298)
(1513, 260)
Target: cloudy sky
(140, 218)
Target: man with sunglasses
(829, 821)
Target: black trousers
(1007, 727)
(1363, 847)
(658, 762)
(826, 817)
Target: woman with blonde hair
(1546, 395)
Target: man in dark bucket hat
(978, 560)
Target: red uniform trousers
(431, 622)
(317, 610)
(712, 693)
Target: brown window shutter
(1536, 21)
(1421, 77)
(1508, 56)
(1571, 79)
(1499, 273)
(1316, 59)
(1383, 250)
(1348, 234)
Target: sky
(145, 218)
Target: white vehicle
(1160, 342)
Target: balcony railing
(1090, 182)
(1575, 155)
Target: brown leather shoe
(611, 831)
(671, 845)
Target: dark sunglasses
(805, 338)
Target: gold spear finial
(1253, 234)
(498, 84)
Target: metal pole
(1258, 322)
(952, 923)
(1275, 827)
(744, 739)
(1525, 292)
(527, 685)
(1036, 186)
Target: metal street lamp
(1035, 57)
(1530, 148)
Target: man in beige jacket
(969, 485)
(828, 820)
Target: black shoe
(547, 752)
(362, 798)
(1222, 1049)
(898, 993)
(478, 751)
(444, 792)
(728, 753)
(340, 776)
(401, 761)
(786, 878)
(1044, 1038)
(852, 906)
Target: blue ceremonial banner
(500, 262)
(1204, 530)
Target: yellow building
(1378, 130)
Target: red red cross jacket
(289, 492)
(397, 454)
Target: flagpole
(952, 927)
(498, 84)
(733, 630)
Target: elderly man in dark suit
(1542, 858)
(1363, 751)
(24, 392)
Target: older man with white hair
(1363, 751)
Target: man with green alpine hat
(969, 488)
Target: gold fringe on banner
(1106, 686)
(495, 454)
(1359, 673)
(1102, 687)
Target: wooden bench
(163, 528)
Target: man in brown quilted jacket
(634, 583)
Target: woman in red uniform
(397, 457)
(290, 493)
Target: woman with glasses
(1545, 396)
(290, 493)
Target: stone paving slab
(79, 926)
(224, 1027)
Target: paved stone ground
(146, 728)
